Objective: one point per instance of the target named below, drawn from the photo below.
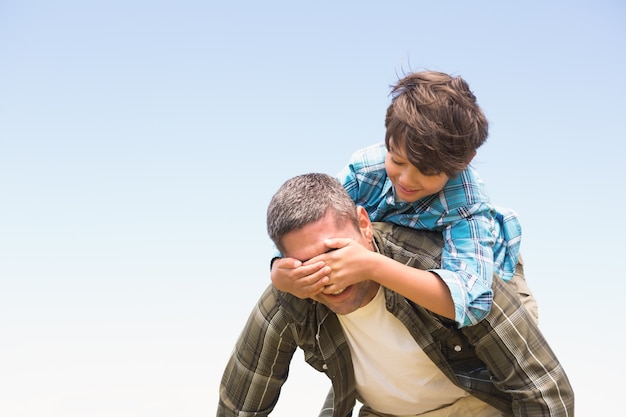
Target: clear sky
(140, 142)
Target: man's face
(308, 242)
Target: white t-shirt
(393, 374)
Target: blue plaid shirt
(480, 239)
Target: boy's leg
(521, 288)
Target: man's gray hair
(306, 199)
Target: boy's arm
(422, 287)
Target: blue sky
(140, 143)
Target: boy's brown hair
(435, 119)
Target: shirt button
(324, 367)
(457, 348)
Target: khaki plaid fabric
(504, 360)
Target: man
(395, 357)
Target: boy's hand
(348, 262)
(302, 280)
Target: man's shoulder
(416, 248)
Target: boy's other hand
(302, 280)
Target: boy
(421, 178)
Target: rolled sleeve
(470, 305)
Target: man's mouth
(336, 293)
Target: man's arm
(520, 359)
(259, 364)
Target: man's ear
(365, 224)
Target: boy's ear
(365, 224)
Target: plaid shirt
(524, 377)
(480, 240)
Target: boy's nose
(405, 177)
